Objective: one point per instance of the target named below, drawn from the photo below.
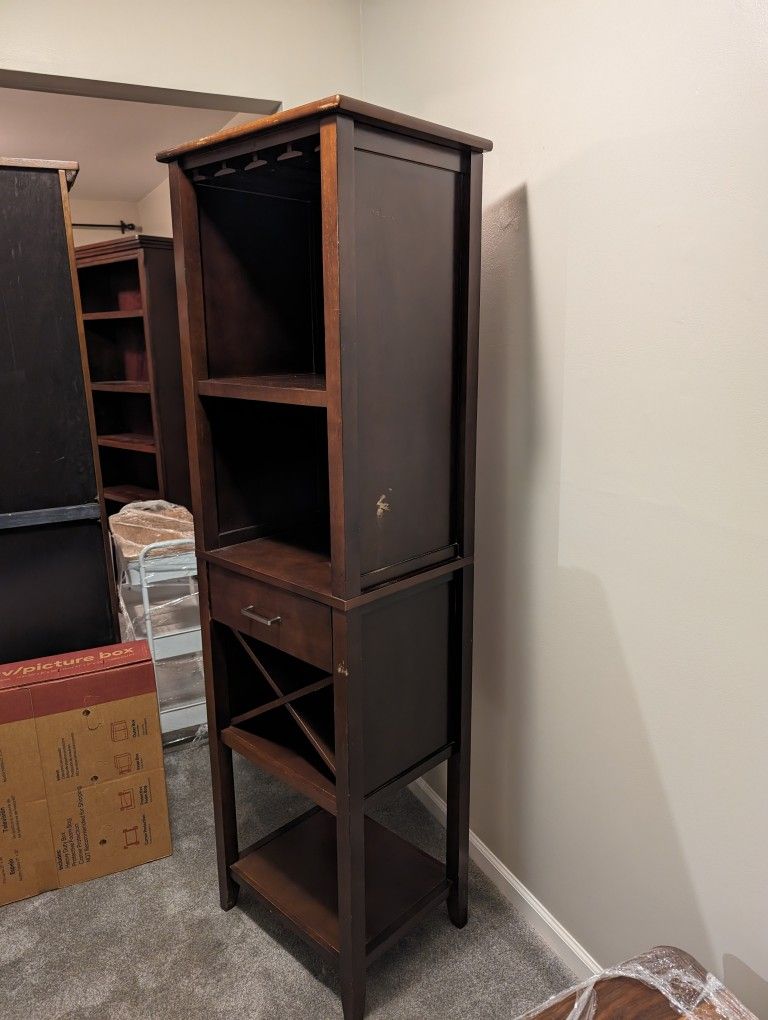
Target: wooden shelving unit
(128, 293)
(329, 306)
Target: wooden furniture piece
(663, 984)
(56, 591)
(328, 267)
(128, 293)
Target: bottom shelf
(128, 493)
(293, 871)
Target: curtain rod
(122, 226)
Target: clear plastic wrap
(688, 988)
(158, 600)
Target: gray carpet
(153, 943)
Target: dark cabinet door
(46, 458)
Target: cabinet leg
(226, 820)
(457, 836)
(353, 995)
(350, 818)
(457, 856)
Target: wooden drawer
(301, 628)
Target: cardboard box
(82, 780)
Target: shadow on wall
(566, 787)
(750, 987)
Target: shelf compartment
(277, 746)
(120, 313)
(121, 412)
(121, 386)
(288, 564)
(128, 493)
(306, 388)
(109, 288)
(135, 441)
(117, 350)
(262, 288)
(293, 872)
(313, 714)
(281, 485)
(284, 700)
(128, 472)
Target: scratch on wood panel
(342, 670)
(383, 505)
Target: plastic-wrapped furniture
(157, 572)
(663, 984)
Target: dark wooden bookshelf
(57, 592)
(328, 301)
(128, 292)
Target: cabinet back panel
(261, 283)
(404, 251)
(406, 681)
(46, 458)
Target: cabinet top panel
(364, 112)
(121, 246)
(69, 167)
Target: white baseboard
(572, 954)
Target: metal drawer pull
(248, 611)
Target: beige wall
(292, 51)
(155, 211)
(621, 711)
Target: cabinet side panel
(407, 677)
(405, 245)
(46, 457)
(166, 354)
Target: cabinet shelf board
(121, 386)
(305, 571)
(136, 441)
(122, 313)
(307, 389)
(294, 872)
(277, 754)
(128, 493)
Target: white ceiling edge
(113, 137)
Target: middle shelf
(305, 388)
(136, 441)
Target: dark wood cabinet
(328, 267)
(56, 591)
(128, 293)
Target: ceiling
(114, 140)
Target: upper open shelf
(110, 290)
(263, 286)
